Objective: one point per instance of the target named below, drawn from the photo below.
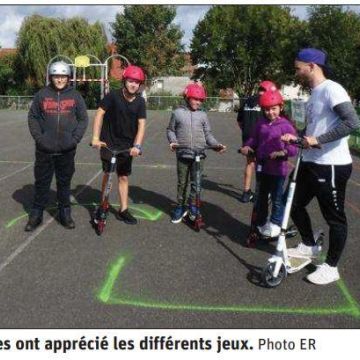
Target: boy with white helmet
(57, 121)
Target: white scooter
(280, 264)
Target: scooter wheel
(100, 226)
(291, 231)
(252, 239)
(268, 275)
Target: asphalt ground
(155, 274)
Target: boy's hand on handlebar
(277, 154)
(96, 143)
(173, 145)
(220, 148)
(246, 150)
(135, 152)
(288, 137)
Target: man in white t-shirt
(324, 171)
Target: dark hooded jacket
(57, 119)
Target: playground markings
(105, 295)
(33, 236)
(16, 172)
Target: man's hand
(310, 141)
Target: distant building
(291, 92)
(117, 67)
(171, 84)
(7, 51)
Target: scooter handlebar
(113, 150)
(301, 141)
(206, 147)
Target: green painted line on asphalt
(106, 297)
(355, 308)
(140, 212)
(115, 269)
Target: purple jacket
(265, 139)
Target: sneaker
(264, 229)
(65, 218)
(324, 274)
(272, 230)
(126, 217)
(193, 211)
(303, 250)
(35, 219)
(178, 213)
(247, 196)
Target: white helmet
(59, 68)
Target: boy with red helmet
(120, 122)
(190, 128)
(248, 114)
(271, 156)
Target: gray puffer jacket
(190, 129)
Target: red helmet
(271, 98)
(134, 72)
(195, 91)
(267, 85)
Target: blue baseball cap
(311, 55)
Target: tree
(41, 38)
(6, 73)
(240, 45)
(146, 36)
(337, 30)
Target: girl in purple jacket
(271, 160)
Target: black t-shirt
(248, 115)
(121, 117)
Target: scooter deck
(297, 263)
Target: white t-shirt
(321, 118)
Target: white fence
(15, 102)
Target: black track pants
(328, 184)
(45, 166)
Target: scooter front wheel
(268, 275)
(100, 226)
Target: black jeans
(45, 165)
(328, 184)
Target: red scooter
(100, 213)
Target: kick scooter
(196, 220)
(100, 213)
(280, 264)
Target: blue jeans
(273, 185)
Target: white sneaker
(270, 230)
(303, 250)
(274, 230)
(324, 274)
(264, 229)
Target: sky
(13, 15)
